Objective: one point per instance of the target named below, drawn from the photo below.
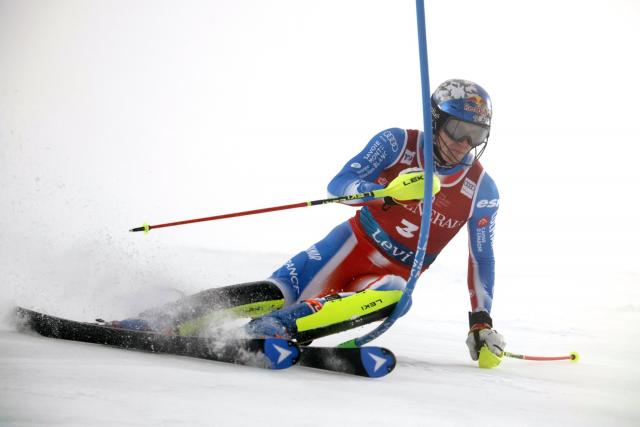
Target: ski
(370, 361)
(272, 353)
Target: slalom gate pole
(421, 250)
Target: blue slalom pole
(421, 250)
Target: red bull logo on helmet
(476, 104)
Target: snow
(115, 113)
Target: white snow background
(113, 113)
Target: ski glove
(481, 333)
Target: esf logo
(484, 203)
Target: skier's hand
(366, 186)
(481, 333)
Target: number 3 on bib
(409, 229)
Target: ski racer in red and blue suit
(375, 248)
(356, 274)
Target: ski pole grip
(408, 186)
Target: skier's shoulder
(390, 139)
(487, 184)
(487, 192)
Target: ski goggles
(460, 131)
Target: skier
(357, 273)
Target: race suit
(375, 248)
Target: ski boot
(282, 323)
(319, 317)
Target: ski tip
(24, 318)
(377, 361)
(23, 314)
(281, 353)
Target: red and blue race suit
(376, 247)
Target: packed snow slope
(50, 382)
(116, 113)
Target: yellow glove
(408, 186)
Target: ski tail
(372, 362)
(377, 361)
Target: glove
(366, 186)
(481, 333)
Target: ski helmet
(463, 110)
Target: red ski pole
(488, 360)
(147, 227)
(573, 357)
(405, 187)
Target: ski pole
(405, 187)
(573, 356)
(488, 359)
(147, 227)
